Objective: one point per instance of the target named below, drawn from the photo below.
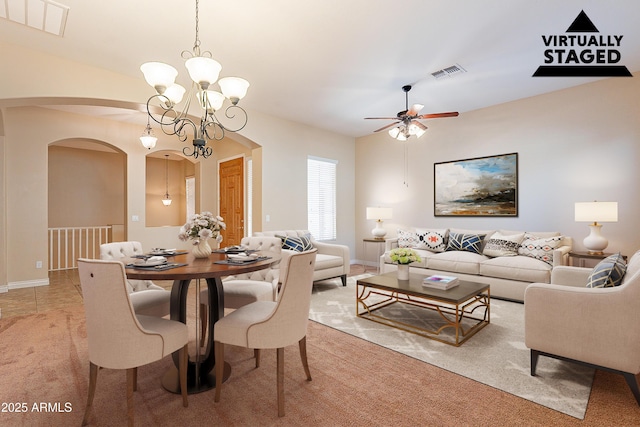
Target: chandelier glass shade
(148, 139)
(204, 72)
(405, 130)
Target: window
(321, 197)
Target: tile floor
(63, 290)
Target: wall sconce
(166, 200)
(595, 212)
(379, 214)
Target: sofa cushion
(465, 242)
(520, 267)
(324, 261)
(539, 248)
(432, 239)
(503, 245)
(456, 262)
(407, 238)
(607, 273)
(298, 244)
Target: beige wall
(85, 187)
(284, 147)
(157, 214)
(578, 144)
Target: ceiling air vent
(448, 72)
(44, 15)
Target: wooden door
(232, 200)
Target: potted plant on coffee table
(403, 257)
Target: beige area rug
(495, 355)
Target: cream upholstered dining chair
(272, 324)
(147, 297)
(242, 289)
(120, 339)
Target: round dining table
(212, 270)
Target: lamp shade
(203, 70)
(596, 212)
(212, 101)
(379, 213)
(159, 75)
(175, 92)
(234, 88)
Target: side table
(582, 256)
(379, 243)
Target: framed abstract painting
(481, 186)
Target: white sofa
(332, 260)
(508, 276)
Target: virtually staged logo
(580, 53)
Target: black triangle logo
(582, 24)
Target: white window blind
(321, 197)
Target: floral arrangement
(404, 256)
(202, 227)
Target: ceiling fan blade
(420, 125)
(438, 115)
(387, 127)
(381, 118)
(415, 109)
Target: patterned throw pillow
(298, 244)
(407, 239)
(541, 249)
(503, 245)
(608, 272)
(465, 242)
(432, 240)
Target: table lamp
(595, 212)
(379, 214)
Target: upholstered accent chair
(597, 327)
(120, 339)
(147, 297)
(242, 289)
(272, 324)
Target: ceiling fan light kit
(407, 121)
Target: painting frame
(478, 186)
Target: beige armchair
(272, 324)
(598, 327)
(120, 339)
(147, 297)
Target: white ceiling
(330, 63)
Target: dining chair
(147, 297)
(120, 339)
(242, 289)
(271, 324)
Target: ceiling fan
(408, 123)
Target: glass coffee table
(450, 316)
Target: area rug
(495, 356)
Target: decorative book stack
(440, 282)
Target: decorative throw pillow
(298, 244)
(503, 245)
(465, 242)
(407, 239)
(432, 240)
(541, 249)
(608, 272)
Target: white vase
(202, 249)
(403, 271)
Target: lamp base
(595, 242)
(379, 232)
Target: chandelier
(204, 72)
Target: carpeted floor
(495, 356)
(44, 364)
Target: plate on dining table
(151, 262)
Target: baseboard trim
(4, 288)
(28, 284)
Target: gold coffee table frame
(469, 301)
